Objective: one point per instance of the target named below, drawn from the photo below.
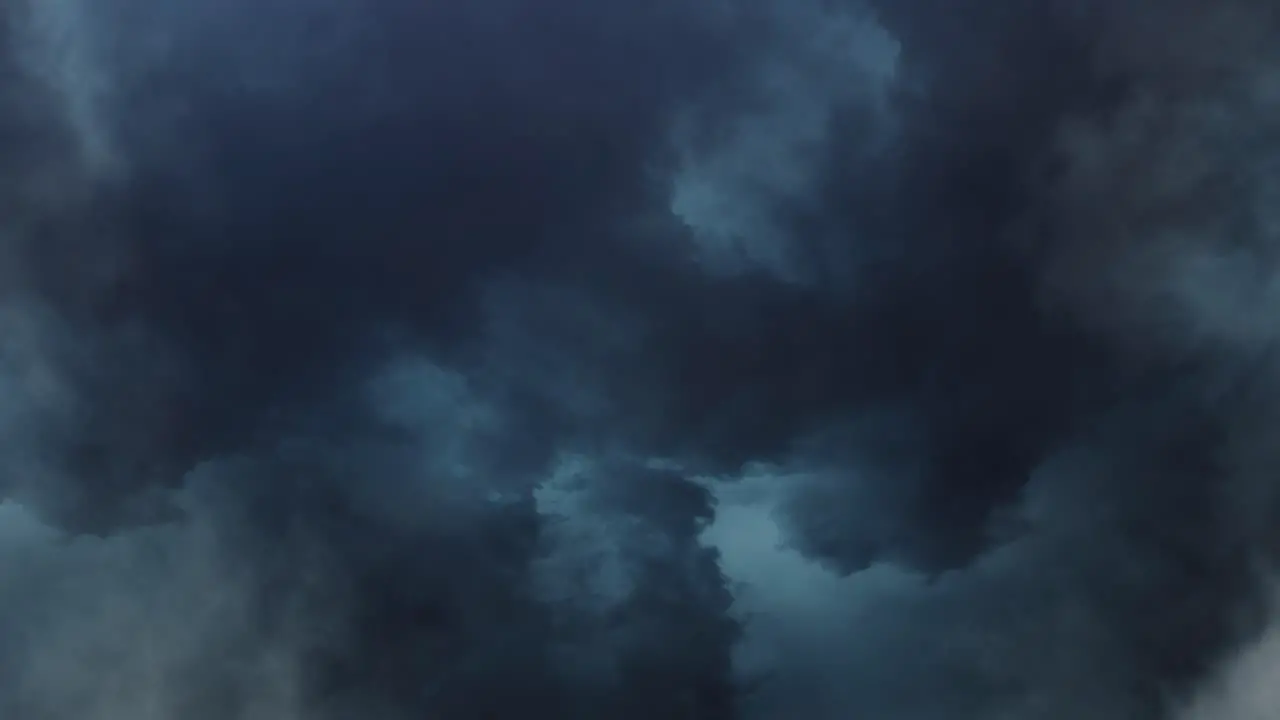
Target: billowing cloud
(742, 360)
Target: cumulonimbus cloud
(751, 360)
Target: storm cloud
(745, 359)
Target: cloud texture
(746, 360)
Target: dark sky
(590, 359)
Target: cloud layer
(754, 360)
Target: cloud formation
(751, 360)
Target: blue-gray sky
(739, 360)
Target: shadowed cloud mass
(743, 360)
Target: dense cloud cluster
(743, 360)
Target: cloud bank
(746, 360)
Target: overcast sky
(733, 360)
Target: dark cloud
(275, 417)
(754, 360)
(1080, 206)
